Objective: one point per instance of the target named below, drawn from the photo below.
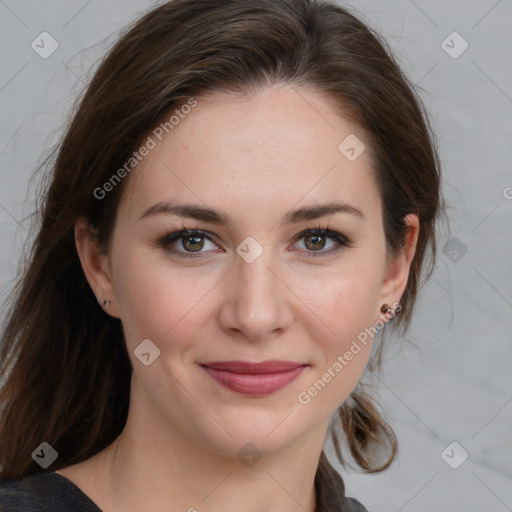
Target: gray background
(455, 385)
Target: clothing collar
(330, 490)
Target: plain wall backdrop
(454, 385)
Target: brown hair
(63, 361)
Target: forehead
(279, 146)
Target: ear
(396, 274)
(96, 266)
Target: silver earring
(105, 302)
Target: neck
(153, 467)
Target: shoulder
(352, 505)
(43, 492)
(330, 490)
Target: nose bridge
(252, 271)
(260, 303)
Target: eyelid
(186, 232)
(340, 240)
(326, 231)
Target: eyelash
(341, 241)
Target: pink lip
(253, 378)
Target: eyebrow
(204, 214)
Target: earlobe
(396, 274)
(95, 265)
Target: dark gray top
(51, 492)
(44, 492)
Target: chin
(258, 432)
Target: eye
(192, 241)
(315, 241)
(188, 243)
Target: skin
(253, 157)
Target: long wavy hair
(64, 368)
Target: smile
(254, 378)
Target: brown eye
(196, 244)
(314, 242)
(187, 243)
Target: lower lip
(254, 384)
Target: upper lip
(270, 366)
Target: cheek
(343, 304)
(342, 335)
(343, 301)
(159, 301)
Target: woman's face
(258, 287)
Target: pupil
(316, 237)
(196, 238)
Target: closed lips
(264, 367)
(254, 378)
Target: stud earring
(105, 302)
(385, 308)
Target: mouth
(254, 378)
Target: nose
(257, 303)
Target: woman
(244, 197)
